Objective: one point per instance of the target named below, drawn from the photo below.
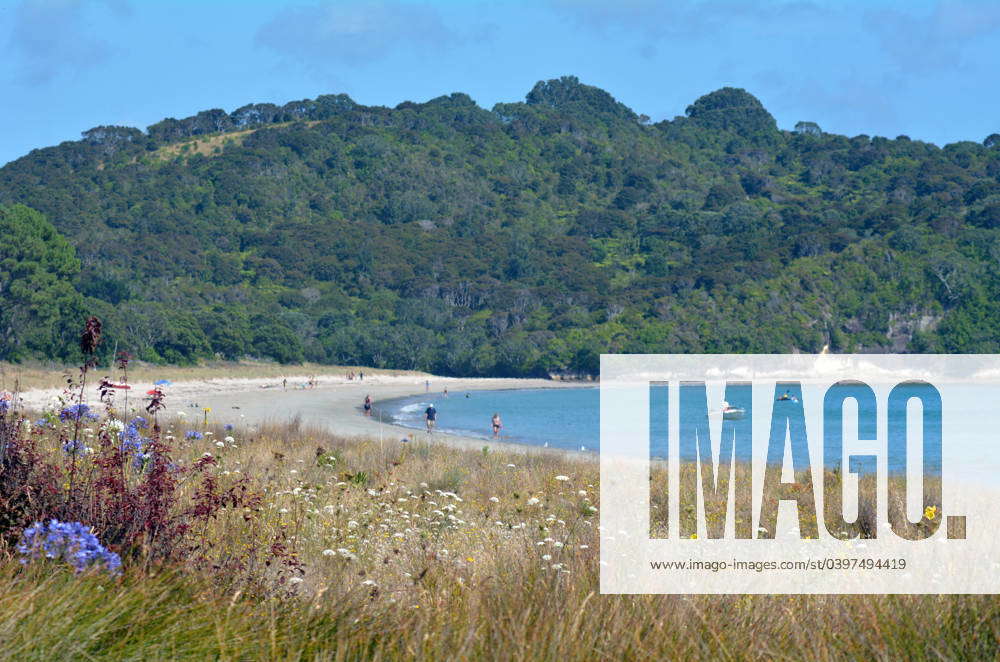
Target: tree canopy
(521, 240)
(39, 302)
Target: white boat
(731, 413)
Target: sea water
(560, 417)
(569, 418)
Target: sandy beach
(335, 403)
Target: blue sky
(881, 67)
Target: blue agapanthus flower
(78, 412)
(77, 447)
(131, 439)
(228, 427)
(139, 423)
(141, 460)
(193, 434)
(71, 542)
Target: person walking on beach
(284, 384)
(368, 405)
(427, 385)
(497, 425)
(446, 391)
(430, 415)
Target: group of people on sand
(311, 382)
(360, 375)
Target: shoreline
(334, 404)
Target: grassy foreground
(426, 552)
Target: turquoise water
(560, 417)
(568, 418)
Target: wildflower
(140, 461)
(193, 434)
(116, 425)
(494, 499)
(295, 580)
(139, 422)
(533, 501)
(76, 448)
(71, 542)
(368, 582)
(584, 546)
(131, 439)
(75, 412)
(930, 512)
(229, 440)
(693, 536)
(562, 478)
(220, 444)
(546, 557)
(511, 466)
(329, 552)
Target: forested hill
(525, 239)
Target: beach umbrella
(162, 382)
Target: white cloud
(354, 34)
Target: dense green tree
(38, 303)
(524, 239)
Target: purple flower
(141, 461)
(77, 413)
(193, 434)
(75, 447)
(131, 439)
(71, 542)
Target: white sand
(334, 404)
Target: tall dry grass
(416, 551)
